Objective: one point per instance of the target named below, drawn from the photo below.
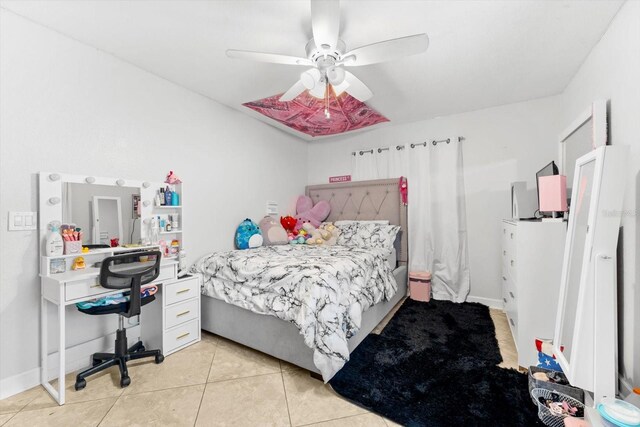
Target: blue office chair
(126, 272)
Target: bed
(284, 339)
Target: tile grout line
(286, 399)
(11, 417)
(110, 408)
(342, 418)
(205, 384)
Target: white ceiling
(481, 53)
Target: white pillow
(368, 235)
(351, 221)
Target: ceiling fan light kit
(327, 55)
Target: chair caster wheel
(159, 359)
(125, 381)
(80, 384)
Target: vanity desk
(170, 323)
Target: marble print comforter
(323, 290)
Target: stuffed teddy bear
(272, 232)
(333, 231)
(248, 235)
(307, 212)
(318, 236)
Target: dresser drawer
(181, 335)
(512, 319)
(182, 290)
(84, 289)
(181, 312)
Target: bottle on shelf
(163, 197)
(167, 195)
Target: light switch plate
(23, 221)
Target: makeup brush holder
(72, 247)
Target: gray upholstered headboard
(366, 200)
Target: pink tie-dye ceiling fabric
(306, 113)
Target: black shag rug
(434, 364)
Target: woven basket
(546, 416)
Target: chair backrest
(130, 271)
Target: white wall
(70, 108)
(612, 71)
(502, 145)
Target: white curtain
(437, 213)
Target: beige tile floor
(213, 383)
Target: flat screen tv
(550, 169)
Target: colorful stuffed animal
(333, 231)
(316, 235)
(172, 178)
(307, 212)
(272, 232)
(248, 235)
(288, 223)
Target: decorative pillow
(369, 235)
(273, 233)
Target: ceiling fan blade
(274, 58)
(293, 92)
(356, 88)
(388, 50)
(325, 23)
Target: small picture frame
(57, 265)
(135, 205)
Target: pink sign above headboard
(306, 113)
(341, 178)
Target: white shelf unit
(167, 210)
(532, 253)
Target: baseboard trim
(77, 358)
(489, 302)
(19, 383)
(625, 386)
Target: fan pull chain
(327, 89)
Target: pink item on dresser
(420, 285)
(552, 191)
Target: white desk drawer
(182, 312)
(182, 290)
(84, 289)
(181, 335)
(167, 272)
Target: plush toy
(172, 178)
(248, 235)
(288, 223)
(78, 263)
(315, 235)
(333, 231)
(272, 232)
(307, 212)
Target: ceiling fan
(327, 56)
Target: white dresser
(532, 253)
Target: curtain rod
(401, 147)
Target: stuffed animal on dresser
(248, 235)
(273, 232)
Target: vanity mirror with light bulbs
(113, 216)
